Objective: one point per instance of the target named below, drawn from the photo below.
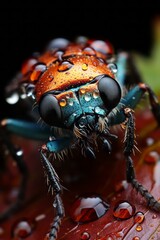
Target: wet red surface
(104, 178)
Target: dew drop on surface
(87, 97)
(57, 43)
(136, 238)
(50, 77)
(27, 65)
(22, 228)
(84, 66)
(59, 55)
(62, 102)
(89, 51)
(70, 102)
(152, 157)
(85, 236)
(82, 91)
(123, 210)
(97, 110)
(64, 66)
(139, 217)
(38, 70)
(19, 152)
(95, 94)
(154, 216)
(139, 228)
(13, 98)
(112, 67)
(87, 209)
(102, 46)
(149, 141)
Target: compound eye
(49, 110)
(110, 92)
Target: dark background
(24, 30)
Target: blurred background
(24, 30)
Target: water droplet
(123, 210)
(136, 238)
(96, 94)
(87, 209)
(82, 90)
(152, 157)
(84, 66)
(102, 46)
(89, 51)
(154, 216)
(149, 141)
(22, 228)
(59, 54)
(23, 95)
(64, 66)
(97, 110)
(70, 102)
(113, 67)
(57, 43)
(85, 236)
(19, 152)
(87, 97)
(139, 228)
(62, 102)
(13, 98)
(30, 90)
(139, 217)
(28, 65)
(50, 77)
(38, 70)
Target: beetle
(82, 88)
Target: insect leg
(131, 100)
(28, 130)
(54, 147)
(155, 106)
(18, 158)
(130, 174)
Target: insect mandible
(82, 88)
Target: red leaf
(104, 178)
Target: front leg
(130, 174)
(55, 146)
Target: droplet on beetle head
(95, 94)
(87, 97)
(84, 66)
(113, 67)
(64, 66)
(62, 102)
